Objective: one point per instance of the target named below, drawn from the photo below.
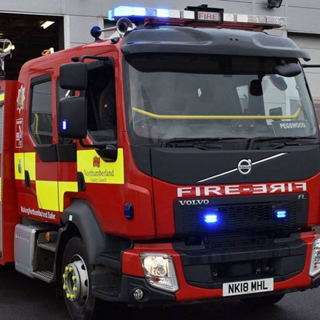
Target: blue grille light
(64, 125)
(163, 13)
(128, 211)
(124, 11)
(211, 218)
(281, 214)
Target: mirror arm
(310, 65)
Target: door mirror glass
(72, 120)
(74, 76)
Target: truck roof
(172, 39)
(210, 41)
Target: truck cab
(174, 163)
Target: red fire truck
(176, 162)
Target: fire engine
(176, 162)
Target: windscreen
(170, 96)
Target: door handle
(27, 181)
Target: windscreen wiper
(283, 141)
(195, 142)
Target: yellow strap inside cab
(218, 117)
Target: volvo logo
(244, 166)
(194, 202)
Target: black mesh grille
(239, 216)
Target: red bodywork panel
(10, 215)
(131, 265)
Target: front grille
(243, 215)
(211, 267)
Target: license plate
(247, 287)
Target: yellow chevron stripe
(47, 195)
(64, 187)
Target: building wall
(81, 15)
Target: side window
(41, 111)
(102, 118)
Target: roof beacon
(202, 16)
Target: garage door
(311, 44)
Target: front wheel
(76, 271)
(263, 301)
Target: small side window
(41, 112)
(101, 94)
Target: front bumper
(132, 277)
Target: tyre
(263, 301)
(76, 272)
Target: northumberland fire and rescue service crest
(96, 162)
(20, 99)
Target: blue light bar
(163, 13)
(133, 12)
(124, 11)
(281, 214)
(211, 218)
(64, 125)
(110, 15)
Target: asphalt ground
(22, 298)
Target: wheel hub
(76, 281)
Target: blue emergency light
(202, 14)
(64, 125)
(281, 214)
(191, 13)
(124, 11)
(210, 218)
(163, 13)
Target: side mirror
(74, 76)
(288, 70)
(72, 119)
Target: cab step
(107, 293)
(46, 276)
(111, 259)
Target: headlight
(315, 259)
(159, 271)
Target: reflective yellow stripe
(95, 170)
(47, 195)
(63, 188)
(19, 166)
(203, 117)
(30, 164)
(1, 96)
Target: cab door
(38, 164)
